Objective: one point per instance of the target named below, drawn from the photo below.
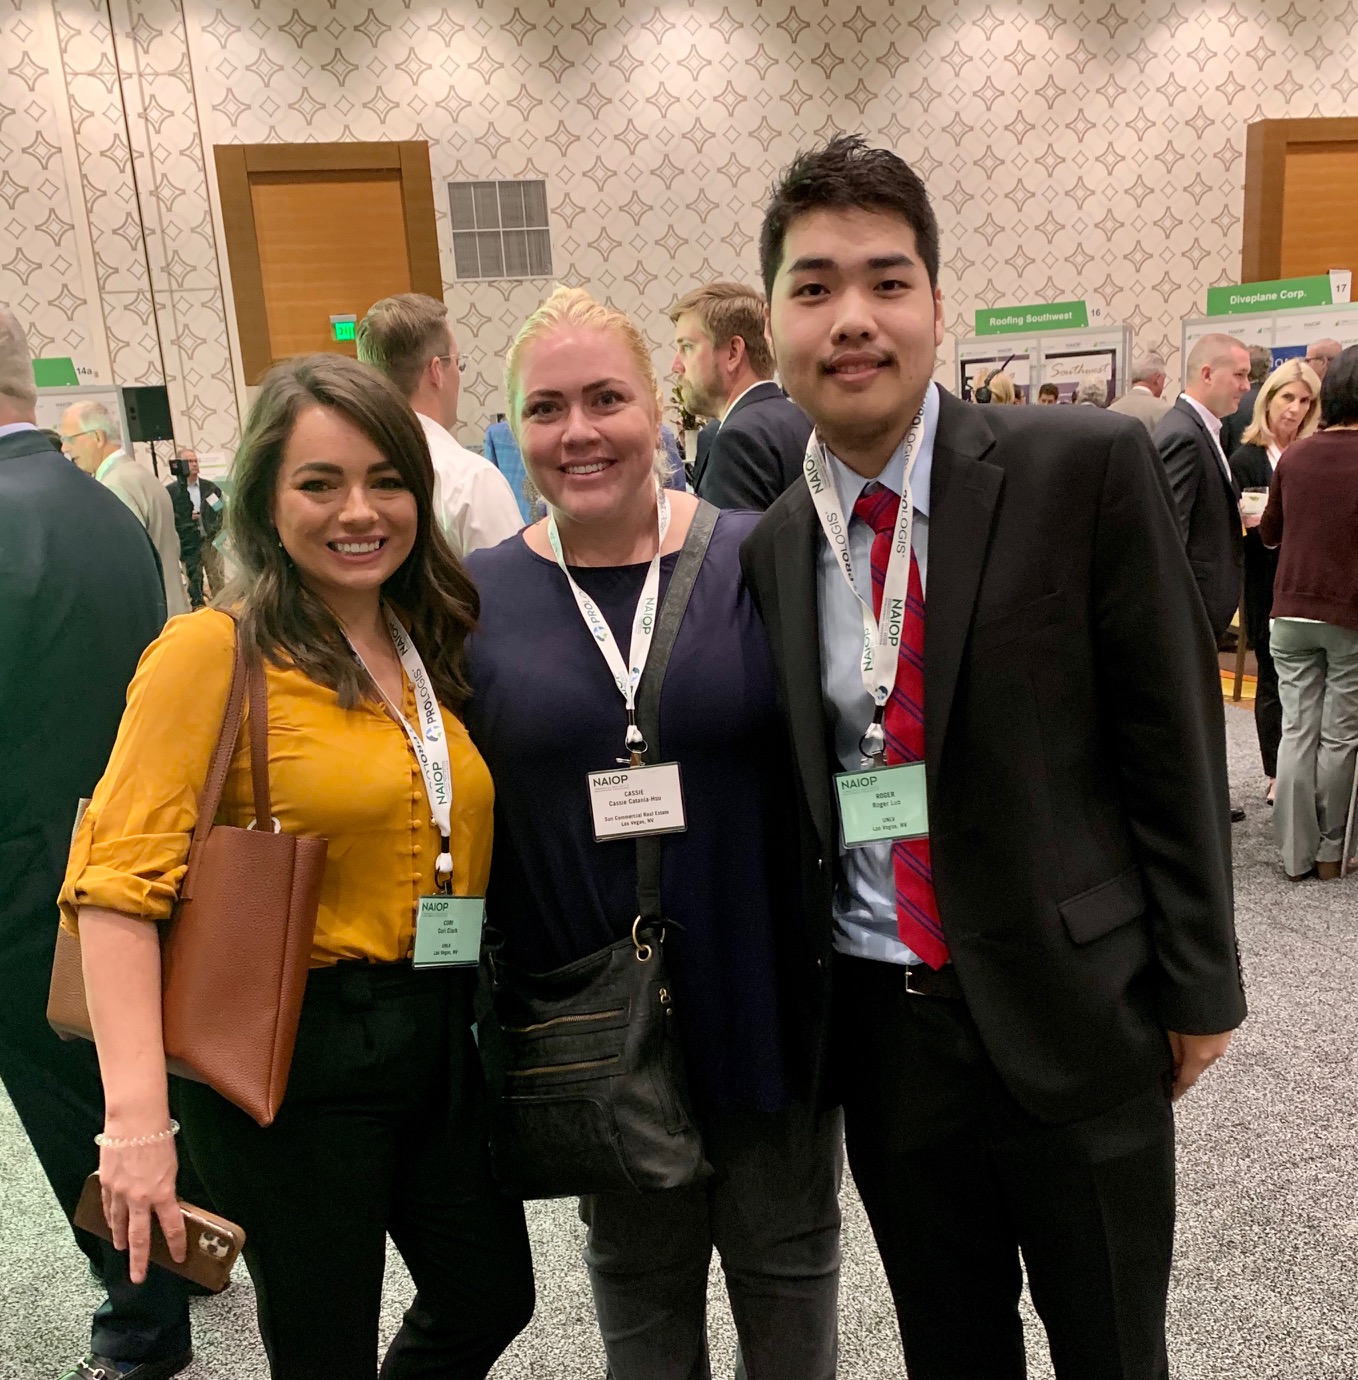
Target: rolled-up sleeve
(131, 848)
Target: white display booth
(1285, 333)
(1065, 358)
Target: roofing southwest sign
(1051, 316)
(1279, 295)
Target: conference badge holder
(448, 931)
(447, 927)
(637, 801)
(880, 804)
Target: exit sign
(342, 327)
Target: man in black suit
(725, 371)
(80, 598)
(1033, 950)
(198, 511)
(1216, 377)
(1237, 424)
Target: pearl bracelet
(110, 1143)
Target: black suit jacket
(80, 598)
(700, 448)
(1251, 470)
(1208, 508)
(1234, 427)
(1079, 820)
(756, 454)
(190, 536)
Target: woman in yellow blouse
(382, 1128)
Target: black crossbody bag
(584, 1070)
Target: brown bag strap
(246, 680)
(259, 741)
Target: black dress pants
(382, 1132)
(958, 1181)
(1268, 708)
(55, 1088)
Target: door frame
(1266, 146)
(235, 163)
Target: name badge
(213, 502)
(448, 931)
(882, 803)
(633, 802)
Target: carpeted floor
(1266, 1275)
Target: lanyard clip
(873, 742)
(636, 744)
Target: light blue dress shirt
(865, 901)
(10, 428)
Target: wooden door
(1301, 198)
(330, 244)
(321, 230)
(1320, 208)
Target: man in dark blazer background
(1234, 427)
(81, 597)
(725, 371)
(1011, 1091)
(198, 512)
(1216, 377)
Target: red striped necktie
(917, 921)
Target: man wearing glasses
(92, 437)
(409, 338)
(1319, 355)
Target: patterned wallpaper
(1074, 148)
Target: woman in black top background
(1287, 408)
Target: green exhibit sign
(58, 372)
(1051, 316)
(1278, 295)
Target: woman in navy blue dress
(546, 710)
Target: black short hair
(846, 174)
(1049, 388)
(1339, 391)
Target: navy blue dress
(545, 711)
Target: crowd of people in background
(991, 1000)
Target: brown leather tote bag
(236, 951)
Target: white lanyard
(881, 642)
(625, 677)
(430, 743)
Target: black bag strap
(672, 610)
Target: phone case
(213, 1243)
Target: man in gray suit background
(1144, 400)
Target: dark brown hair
(279, 615)
(1339, 391)
(847, 175)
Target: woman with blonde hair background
(349, 596)
(1287, 408)
(748, 995)
(1001, 388)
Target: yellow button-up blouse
(347, 775)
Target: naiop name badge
(633, 802)
(882, 803)
(448, 931)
